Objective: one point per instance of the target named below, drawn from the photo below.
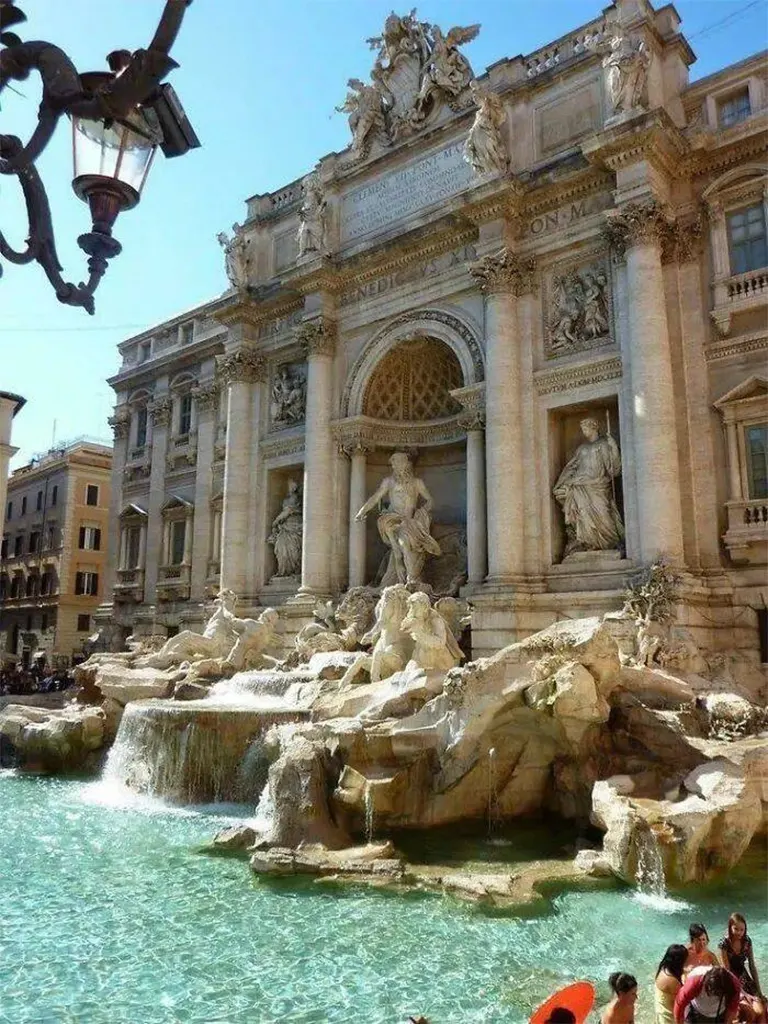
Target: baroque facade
(545, 285)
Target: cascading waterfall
(650, 864)
(369, 822)
(492, 799)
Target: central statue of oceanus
(404, 525)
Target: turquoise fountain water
(111, 914)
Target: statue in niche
(404, 526)
(286, 533)
(580, 308)
(364, 104)
(289, 396)
(585, 490)
(484, 149)
(626, 74)
(435, 647)
(311, 233)
(237, 257)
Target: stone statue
(585, 489)
(392, 646)
(237, 257)
(289, 396)
(448, 71)
(626, 74)
(364, 105)
(339, 629)
(286, 533)
(311, 233)
(255, 637)
(484, 149)
(579, 309)
(404, 527)
(435, 648)
(216, 640)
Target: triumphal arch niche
(406, 426)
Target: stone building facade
(54, 553)
(546, 284)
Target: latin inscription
(566, 216)
(404, 192)
(415, 272)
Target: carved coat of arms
(416, 70)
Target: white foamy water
(662, 904)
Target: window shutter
(94, 583)
(97, 539)
(81, 542)
(78, 583)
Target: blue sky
(259, 80)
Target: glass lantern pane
(112, 152)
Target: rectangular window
(4, 548)
(55, 494)
(18, 544)
(34, 542)
(132, 544)
(9, 512)
(185, 414)
(24, 505)
(50, 538)
(39, 502)
(92, 494)
(141, 426)
(30, 587)
(756, 438)
(734, 109)
(145, 351)
(90, 538)
(83, 623)
(3, 587)
(45, 584)
(178, 533)
(187, 333)
(16, 586)
(44, 622)
(87, 583)
(746, 231)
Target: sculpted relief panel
(578, 308)
(288, 398)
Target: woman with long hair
(738, 957)
(710, 995)
(699, 953)
(669, 980)
(621, 1009)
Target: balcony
(173, 583)
(747, 534)
(739, 294)
(129, 585)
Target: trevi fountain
(342, 807)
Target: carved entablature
(577, 308)
(288, 395)
(245, 365)
(372, 433)
(160, 411)
(504, 271)
(568, 378)
(317, 337)
(472, 402)
(635, 223)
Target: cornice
(550, 194)
(369, 433)
(743, 345)
(652, 136)
(256, 311)
(714, 159)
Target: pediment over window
(754, 387)
(176, 503)
(132, 510)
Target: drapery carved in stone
(504, 271)
(243, 366)
(413, 383)
(318, 337)
(635, 223)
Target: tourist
(699, 954)
(738, 957)
(669, 980)
(710, 995)
(621, 1009)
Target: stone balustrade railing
(584, 41)
(747, 528)
(744, 286)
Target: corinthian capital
(120, 424)
(504, 271)
(243, 366)
(206, 395)
(636, 223)
(160, 411)
(683, 241)
(318, 337)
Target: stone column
(241, 370)
(319, 338)
(206, 404)
(358, 453)
(502, 276)
(637, 229)
(734, 463)
(142, 546)
(121, 428)
(476, 499)
(160, 412)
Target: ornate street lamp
(119, 118)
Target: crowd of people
(693, 985)
(36, 679)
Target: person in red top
(711, 994)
